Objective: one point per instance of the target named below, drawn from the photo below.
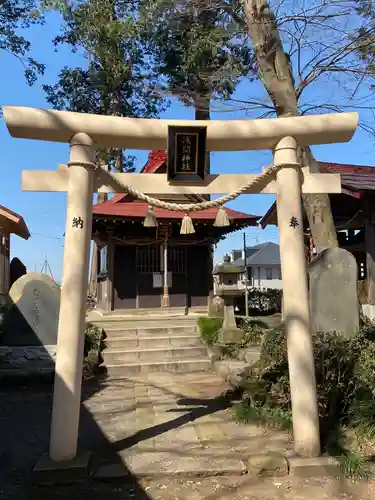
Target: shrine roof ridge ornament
(142, 133)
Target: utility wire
(47, 236)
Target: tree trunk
(275, 71)
(202, 112)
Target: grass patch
(275, 418)
(345, 377)
(209, 329)
(356, 467)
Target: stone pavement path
(245, 488)
(164, 424)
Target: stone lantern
(227, 289)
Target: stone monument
(29, 331)
(333, 292)
(227, 289)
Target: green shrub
(209, 329)
(345, 377)
(92, 338)
(93, 347)
(254, 332)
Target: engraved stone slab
(333, 292)
(33, 317)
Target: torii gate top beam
(140, 133)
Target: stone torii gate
(81, 179)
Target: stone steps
(165, 311)
(181, 365)
(117, 342)
(114, 357)
(156, 332)
(132, 322)
(141, 344)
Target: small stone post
(70, 341)
(228, 289)
(296, 303)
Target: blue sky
(44, 213)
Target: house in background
(10, 223)
(262, 264)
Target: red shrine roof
(156, 159)
(123, 205)
(355, 180)
(13, 223)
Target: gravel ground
(24, 435)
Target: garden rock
(249, 354)
(231, 371)
(214, 353)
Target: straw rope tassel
(222, 218)
(150, 219)
(187, 226)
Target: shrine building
(132, 257)
(10, 223)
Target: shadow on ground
(25, 417)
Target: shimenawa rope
(187, 227)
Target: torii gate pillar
(70, 338)
(295, 301)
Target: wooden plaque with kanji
(186, 153)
